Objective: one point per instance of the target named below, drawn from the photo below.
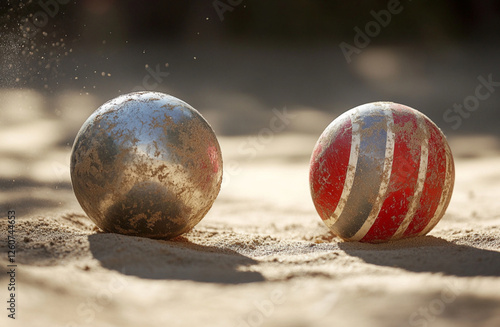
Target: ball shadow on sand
(177, 259)
(428, 254)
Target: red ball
(380, 172)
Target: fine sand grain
(261, 257)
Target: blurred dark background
(243, 58)
(235, 61)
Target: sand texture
(261, 256)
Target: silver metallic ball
(146, 164)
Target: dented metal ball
(146, 164)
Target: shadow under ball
(146, 164)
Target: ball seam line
(384, 185)
(422, 171)
(444, 195)
(366, 179)
(351, 170)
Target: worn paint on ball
(380, 172)
(146, 164)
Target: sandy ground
(261, 257)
